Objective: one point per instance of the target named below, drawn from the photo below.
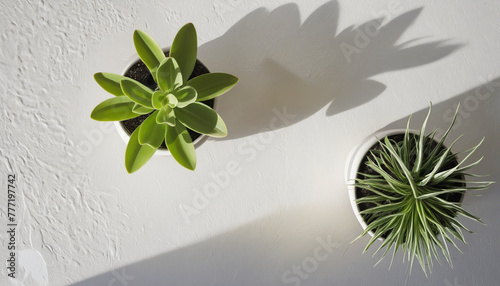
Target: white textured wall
(281, 195)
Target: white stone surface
(277, 197)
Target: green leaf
(184, 49)
(406, 140)
(202, 119)
(180, 145)
(139, 109)
(438, 178)
(435, 194)
(110, 82)
(405, 171)
(438, 165)
(166, 115)
(211, 85)
(170, 100)
(114, 109)
(169, 75)
(185, 96)
(148, 50)
(157, 99)
(443, 138)
(136, 155)
(151, 133)
(420, 155)
(137, 92)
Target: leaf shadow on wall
(288, 71)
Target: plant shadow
(478, 117)
(264, 251)
(257, 253)
(290, 71)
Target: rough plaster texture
(316, 77)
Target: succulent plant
(174, 106)
(409, 189)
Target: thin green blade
(420, 153)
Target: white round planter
(353, 162)
(162, 152)
(355, 159)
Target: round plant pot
(357, 156)
(137, 70)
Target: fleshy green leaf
(180, 145)
(110, 82)
(169, 75)
(148, 50)
(184, 49)
(157, 99)
(151, 133)
(202, 119)
(136, 155)
(211, 85)
(137, 92)
(185, 96)
(170, 100)
(166, 115)
(139, 109)
(114, 109)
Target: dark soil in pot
(140, 73)
(363, 168)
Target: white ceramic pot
(355, 159)
(162, 152)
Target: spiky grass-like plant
(411, 196)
